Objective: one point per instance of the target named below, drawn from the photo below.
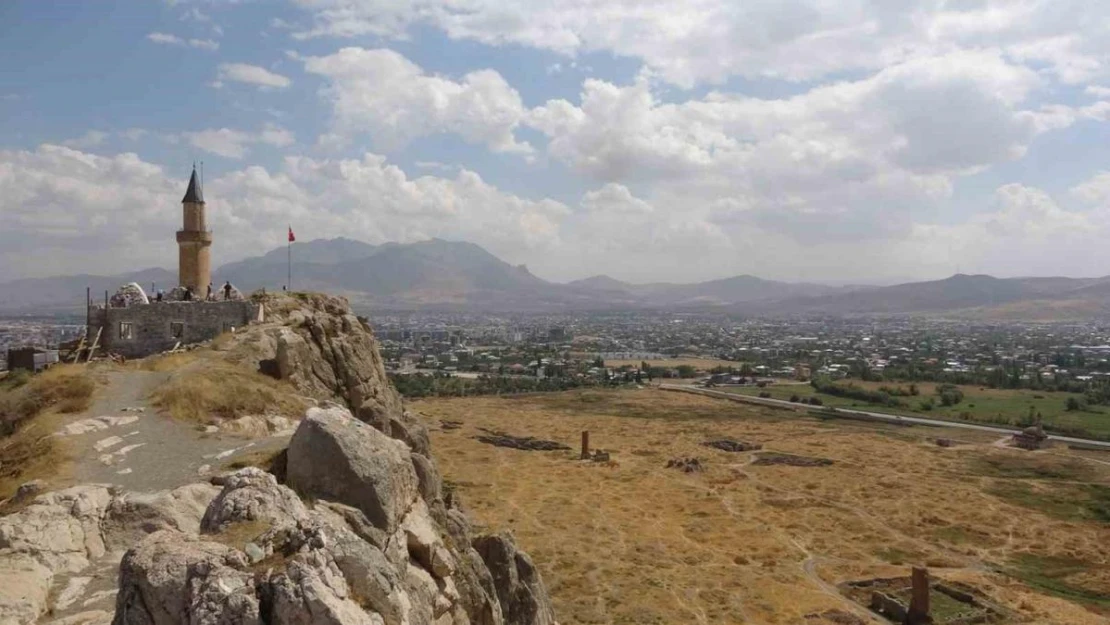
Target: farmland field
(741, 541)
(980, 404)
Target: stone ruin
(177, 294)
(1031, 438)
(686, 465)
(769, 458)
(130, 294)
(523, 443)
(725, 444)
(917, 600)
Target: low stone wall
(888, 606)
(145, 329)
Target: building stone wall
(153, 327)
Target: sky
(851, 141)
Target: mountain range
(448, 275)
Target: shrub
(765, 394)
(815, 401)
(926, 404)
(794, 398)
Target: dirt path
(123, 441)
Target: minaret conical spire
(194, 193)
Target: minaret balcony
(194, 236)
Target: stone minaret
(193, 240)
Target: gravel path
(122, 440)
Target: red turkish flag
(291, 237)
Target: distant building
(132, 325)
(31, 358)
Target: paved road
(877, 416)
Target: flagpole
(289, 249)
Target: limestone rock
(425, 542)
(252, 494)
(172, 578)
(326, 352)
(312, 591)
(427, 478)
(61, 530)
(521, 592)
(24, 588)
(131, 516)
(333, 456)
(409, 429)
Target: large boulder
(171, 578)
(521, 592)
(251, 494)
(336, 457)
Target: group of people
(189, 296)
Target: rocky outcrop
(317, 343)
(371, 549)
(333, 456)
(353, 527)
(520, 590)
(62, 532)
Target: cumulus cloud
(382, 93)
(90, 213)
(174, 40)
(235, 144)
(687, 42)
(252, 75)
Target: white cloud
(87, 213)
(78, 213)
(687, 42)
(384, 94)
(235, 144)
(174, 40)
(252, 75)
(1095, 190)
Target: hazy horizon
(803, 141)
(834, 283)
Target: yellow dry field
(635, 542)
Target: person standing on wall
(227, 290)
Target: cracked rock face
(62, 532)
(369, 550)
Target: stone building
(134, 324)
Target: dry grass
(31, 453)
(637, 543)
(31, 409)
(63, 388)
(211, 387)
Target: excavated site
(344, 521)
(273, 476)
(709, 511)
